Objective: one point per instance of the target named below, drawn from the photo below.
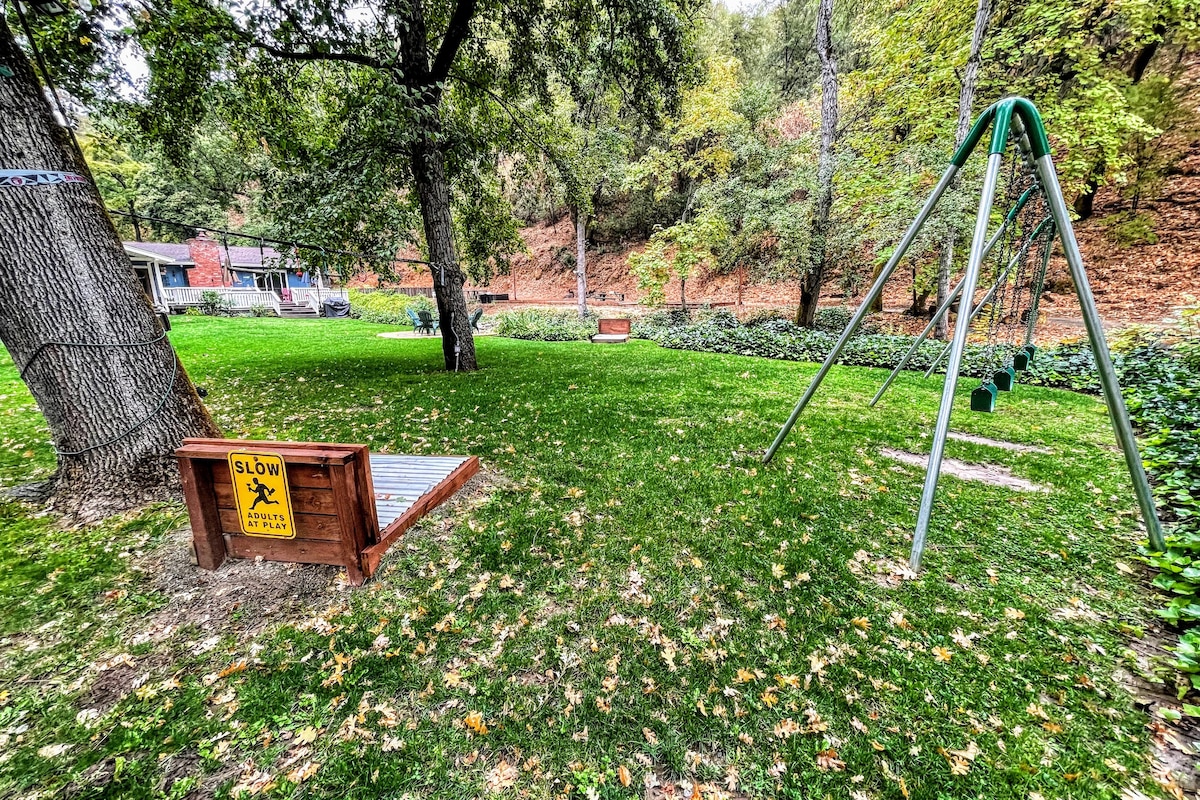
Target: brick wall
(207, 255)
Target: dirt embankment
(1142, 282)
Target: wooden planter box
(612, 331)
(332, 499)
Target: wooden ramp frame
(349, 506)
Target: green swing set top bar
(1001, 113)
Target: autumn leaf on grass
(307, 734)
(475, 724)
(961, 639)
(778, 570)
(623, 775)
(233, 669)
(941, 654)
(302, 773)
(828, 760)
(786, 729)
(501, 777)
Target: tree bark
(433, 191)
(810, 283)
(118, 407)
(580, 218)
(429, 175)
(966, 100)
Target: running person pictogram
(262, 494)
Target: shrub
(261, 311)
(385, 307)
(212, 303)
(1128, 230)
(542, 325)
(832, 320)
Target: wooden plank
(312, 476)
(349, 509)
(202, 511)
(366, 491)
(297, 452)
(308, 526)
(440, 493)
(304, 501)
(303, 551)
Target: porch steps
(297, 311)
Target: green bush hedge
(1065, 367)
(387, 308)
(542, 325)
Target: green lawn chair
(475, 317)
(426, 324)
(412, 315)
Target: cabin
(176, 276)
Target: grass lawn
(630, 598)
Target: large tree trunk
(966, 99)
(119, 405)
(433, 190)
(580, 218)
(810, 284)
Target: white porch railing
(235, 299)
(312, 296)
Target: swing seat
(984, 398)
(1024, 358)
(1005, 379)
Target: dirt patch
(983, 440)
(985, 473)
(1176, 743)
(118, 677)
(263, 593)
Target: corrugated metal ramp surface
(401, 480)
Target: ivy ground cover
(628, 605)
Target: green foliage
(213, 303)
(544, 325)
(386, 308)
(1131, 229)
(681, 250)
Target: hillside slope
(1142, 283)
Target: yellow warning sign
(261, 489)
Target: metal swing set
(1014, 122)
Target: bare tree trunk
(966, 99)
(580, 218)
(77, 323)
(810, 283)
(433, 188)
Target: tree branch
(293, 55)
(456, 32)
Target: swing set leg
(958, 344)
(1108, 375)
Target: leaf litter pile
(628, 605)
